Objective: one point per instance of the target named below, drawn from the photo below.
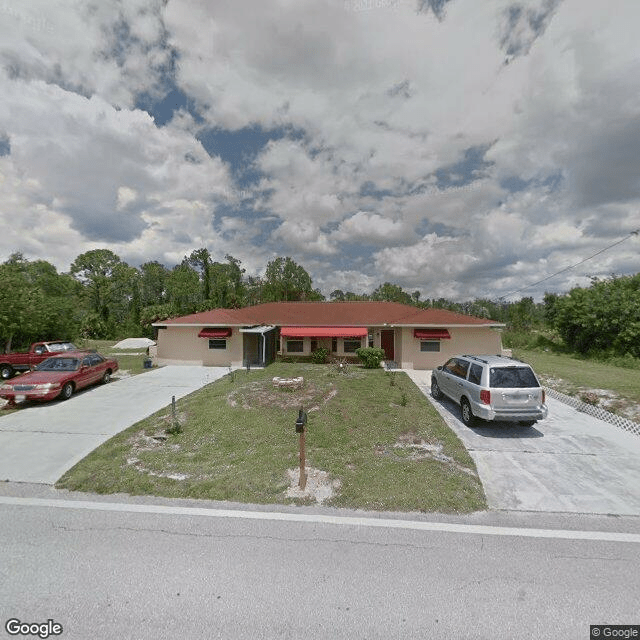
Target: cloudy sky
(461, 148)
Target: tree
(286, 280)
(391, 293)
(200, 259)
(153, 283)
(94, 270)
(183, 289)
(602, 318)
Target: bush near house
(371, 357)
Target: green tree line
(103, 297)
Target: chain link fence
(596, 412)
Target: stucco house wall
(471, 340)
(181, 345)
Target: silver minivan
(491, 388)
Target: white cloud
(385, 102)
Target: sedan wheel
(436, 392)
(106, 378)
(467, 414)
(6, 371)
(67, 391)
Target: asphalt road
(40, 442)
(132, 573)
(569, 462)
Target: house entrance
(387, 339)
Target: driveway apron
(41, 442)
(569, 462)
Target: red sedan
(59, 376)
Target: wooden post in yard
(303, 470)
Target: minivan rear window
(512, 378)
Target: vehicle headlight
(6, 387)
(48, 385)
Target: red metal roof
(323, 332)
(328, 314)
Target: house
(411, 337)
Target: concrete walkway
(39, 443)
(569, 462)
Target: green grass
(238, 440)
(577, 373)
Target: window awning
(431, 334)
(323, 332)
(218, 332)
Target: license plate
(20, 398)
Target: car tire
(106, 378)
(466, 413)
(436, 392)
(6, 371)
(527, 423)
(67, 391)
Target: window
(217, 343)
(295, 346)
(334, 345)
(370, 341)
(429, 345)
(512, 378)
(475, 373)
(350, 346)
(457, 367)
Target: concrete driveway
(41, 442)
(569, 462)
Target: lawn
(575, 376)
(379, 440)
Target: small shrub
(590, 398)
(320, 355)
(371, 357)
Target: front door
(387, 337)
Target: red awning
(220, 332)
(323, 332)
(431, 334)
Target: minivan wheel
(467, 414)
(436, 392)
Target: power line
(573, 266)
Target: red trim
(323, 332)
(215, 333)
(431, 334)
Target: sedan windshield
(59, 364)
(512, 378)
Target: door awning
(323, 332)
(431, 334)
(260, 329)
(218, 332)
